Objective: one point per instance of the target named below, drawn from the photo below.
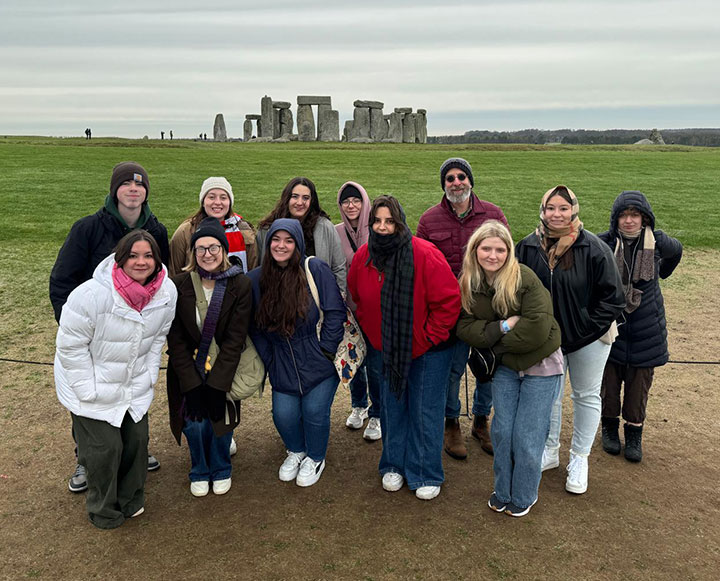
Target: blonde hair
(507, 280)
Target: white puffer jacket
(108, 355)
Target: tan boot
(454, 444)
(481, 431)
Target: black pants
(116, 464)
(637, 382)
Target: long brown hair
(393, 206)
(308, 221)
(283, 293)
(124, 247)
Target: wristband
(504, 326)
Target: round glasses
(213, 249)
(357, 202)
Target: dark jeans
(209, 455)
(637, 382)
(116, 464)
(363, 382)
(412, 425)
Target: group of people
(226, 295)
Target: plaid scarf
(213, 312)
(393, 255)
(557, 241)
(642, 265)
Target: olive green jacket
(535, 336)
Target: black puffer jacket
(642, 339)
(588, 297)
(91, 239)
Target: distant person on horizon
(449, 226)
(171, 135)
(162, 135)
(644, 255)
(92, 238)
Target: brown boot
(454, 444)
(481, 431)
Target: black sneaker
(153, 463)
(513, 510)
(495, 503)
(78, 481)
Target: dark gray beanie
(210, 227)
(455, 162)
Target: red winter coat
(441, 226)
(436, 297)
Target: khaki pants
(116, 464)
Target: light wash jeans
(519, 428)
(412, 425)
(482, 398)
(586, 368)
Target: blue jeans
(359, 385)
(586, 368)
(482, 398)
(209, 455)
(412, 425)
(303, 421)
(519, 428)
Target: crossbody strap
(314, 293)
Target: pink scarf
(136, 295)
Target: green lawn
(46, 184)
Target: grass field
(656, 520)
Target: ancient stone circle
(368, 125)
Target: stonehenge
(368, 125)
(219, 132)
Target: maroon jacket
(441, 226)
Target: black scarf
(393, 255)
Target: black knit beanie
(349, 191)
(127, 171)
(455, 162)
(210, 227)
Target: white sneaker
(356, 418)
(222, 486)
(290, 468)
(310, 472)
(577, 479)
(233, 447)
(427, 492)
(550, 458)
(200, 488)
(373, 431)
(392, 481)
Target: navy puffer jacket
(298, 363)
(642, 339)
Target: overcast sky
(141, 66)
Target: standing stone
(347, 130)
(408, 128)
(247, 130)
(305, 123)
(322, 115)
(361, 123)
(286, 121)
(276, 123)
(395, 132)
(656, 137)
(328, 125)
(266, 120)
(378, 128)
(421, 126)
(219, 133)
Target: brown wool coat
(184, 339)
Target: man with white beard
(449, 226)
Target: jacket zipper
(292, 354)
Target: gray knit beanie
(455, 162)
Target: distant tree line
(702, 137)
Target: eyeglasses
(213, 249)
(351, 202)
(460, 177)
